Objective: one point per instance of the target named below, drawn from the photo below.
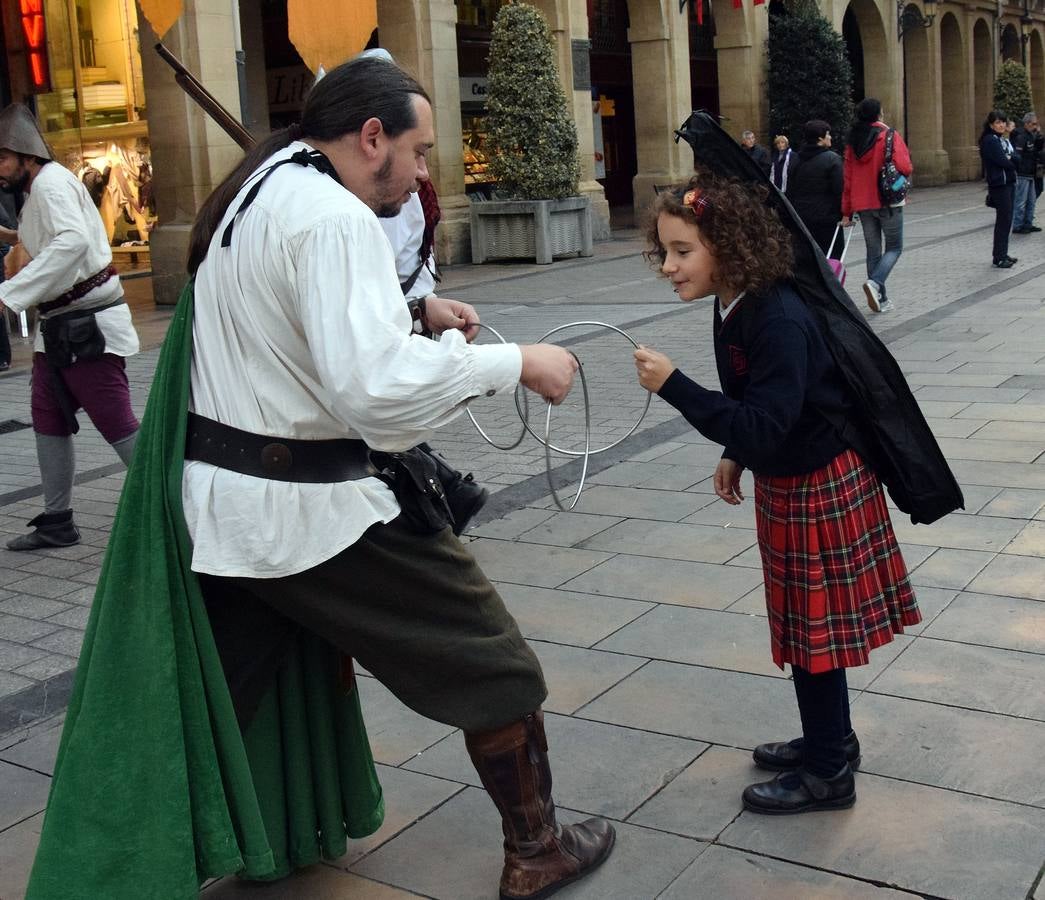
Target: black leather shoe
(1003, 263)
(801, 791)
(1030, 229)
(1012, 259)
(785, 756)
(52, 530)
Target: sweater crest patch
(737, 360)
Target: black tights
(823, 704)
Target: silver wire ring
(522, 415)
(587, 441)
(586, 452)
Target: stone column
(924, 116)
(659, 40)
(422, 36)
(740, 37)
(568, 22)
(190, 154)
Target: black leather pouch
(72, 338)
(414, 478)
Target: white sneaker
(885, 306)
(873, 295)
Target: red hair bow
(696, 201)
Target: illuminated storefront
(79, 63)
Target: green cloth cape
(155, 788)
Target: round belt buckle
(276, 459)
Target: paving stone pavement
(645, 607)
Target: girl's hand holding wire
(653, 368)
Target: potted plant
(532, 150)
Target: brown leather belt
(276, 458)
(81, 289)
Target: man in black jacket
(759, 154)
(815, 186)
(1028, 143)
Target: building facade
(632, 71)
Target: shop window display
(474, 22)
(95, 116)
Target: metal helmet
(19, 132)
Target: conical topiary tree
(1012, 90)
(809, 74)
(532, 141)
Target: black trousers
(823, 704)
(415, 610)
(822, 233)
(1003, 198)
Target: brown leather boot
(540, 856)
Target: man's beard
(385, 208)
(15, 185)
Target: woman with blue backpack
(876, 175)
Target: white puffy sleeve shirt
(301, 331)
(62, 231)
(405, 233)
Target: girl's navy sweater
(780, 388)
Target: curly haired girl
(836, 584)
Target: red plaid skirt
(836, 583)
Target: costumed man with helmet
(84, 331)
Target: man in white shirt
(84, 332)
(302, 358)
(411, 234)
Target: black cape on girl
(888, 428)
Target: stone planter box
(531, 229)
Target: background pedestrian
(1028, 142)
(783, 162)
(882, 223)
(815, 186)
(999, 170)
(759, 155)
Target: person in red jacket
(864, 157)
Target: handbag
(413, 476)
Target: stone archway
(868, 46)
(1010, 44)
(982, 74)
(1036, 70)
(957, 129)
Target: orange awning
(161, 14)
(324, 33)
(332, 31)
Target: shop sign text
(35, 33)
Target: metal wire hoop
(524, 416)
(587, 442)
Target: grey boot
(52, 530)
